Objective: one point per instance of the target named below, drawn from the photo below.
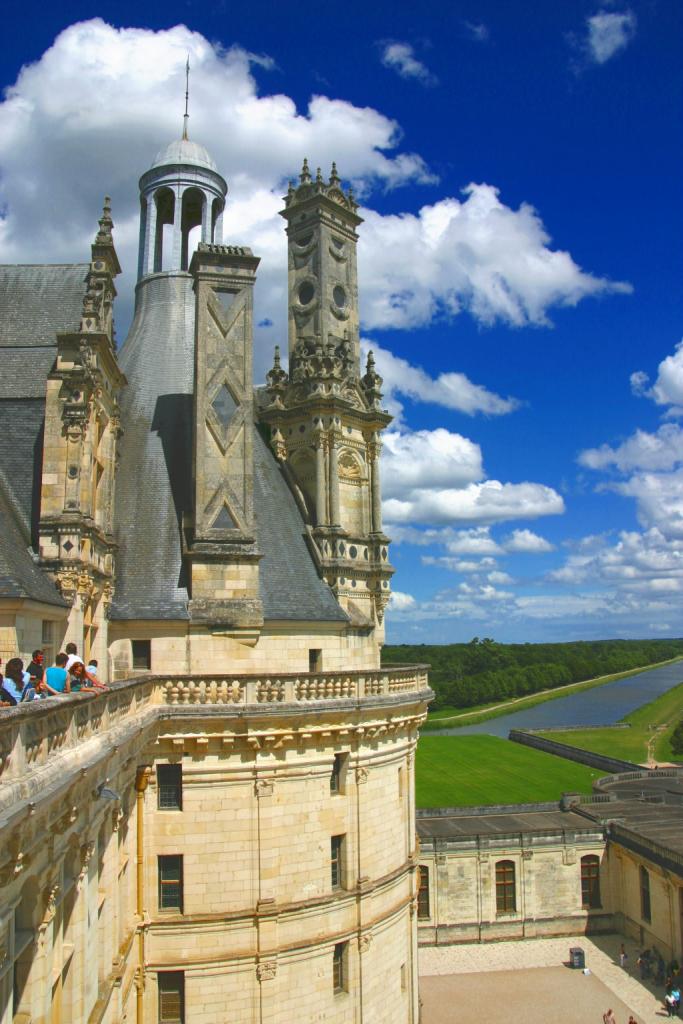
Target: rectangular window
(338, 773)
(171, 882)
(171, 986)
(645, 907)
(423, 893)
(170, 787)
(339, 967)
(506, 898)
(142, 654)
(337, 861)
(46, 633)
(315, 660)
(590, 882)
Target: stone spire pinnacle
(305, 175)
(334, 177)
(104, 236)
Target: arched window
(645, 908)
(191, 224)
(590, 882)
(163, 239)
(423, 893)
(217, 207)
(506, 894)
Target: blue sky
(519, 168)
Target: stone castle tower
(229, 831)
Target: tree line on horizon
(484, 671)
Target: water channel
(603, 705)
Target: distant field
(456, 771)
(457, 717)
(653, 722)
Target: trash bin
(577, 958)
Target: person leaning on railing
(82, 681)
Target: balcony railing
(32, 734)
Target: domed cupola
(182, 191)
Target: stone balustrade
(33, 734)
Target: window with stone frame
(337, 861)
(339, 967)
(506, 887)
(645, 905)
(590, 882)
(171, 986)
(170, 787)
(338, 773)
(142, 654)
(423, 893)
(171, 882)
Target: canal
(603, 705)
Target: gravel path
(501, 982)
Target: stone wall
(599, 761)
(547, 875)
(269, 777)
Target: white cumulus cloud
(527, 542)
(474, 254)
(427, 459)
(660, 451)
(90, 115)
(487, 502)
(400, 57)
(608, 33)
(401, 602)
(668, 387)
(451, 390)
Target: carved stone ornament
(361, 776)
(263, 787)
(12, 868)
(266, 970)
(365, 942)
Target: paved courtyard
(526, 981)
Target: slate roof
(154, 480)
(38, 300)
(503, 822)
(289, 582)
(20, 577)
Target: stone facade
(270, 876)
(81, 434)
(166, 530)
(490, 883)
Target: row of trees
(484, 671)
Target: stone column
(176, 261)
(334, 481)
(206, 220)
(150, 246)
(374, 449)
(320, 489)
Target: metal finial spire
(186, 116)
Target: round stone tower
(182, 191)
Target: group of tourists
(36, 681)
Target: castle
(229, 831)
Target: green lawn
(652, 722)
(453, 771)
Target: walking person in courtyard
(609, 1018)
(623, 956)
(670, 1003)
